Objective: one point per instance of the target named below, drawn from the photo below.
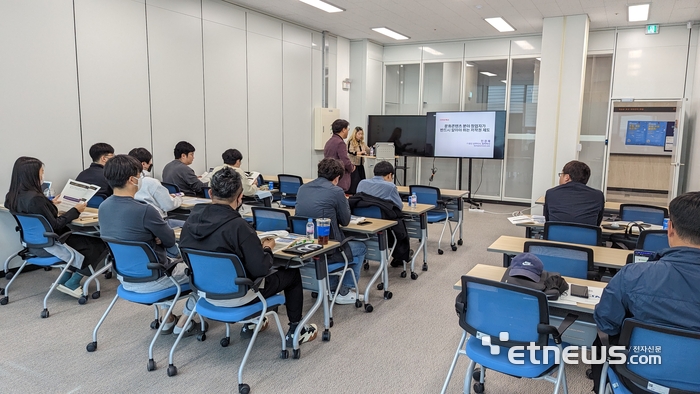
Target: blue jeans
(358, 252)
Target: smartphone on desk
(578, 291)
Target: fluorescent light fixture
(500, 24)
(390, 33)
(638, 12)
(322, 5)
(488, 74)
(503, 80)
(524, 45)
(539, 59)
(432, 51)
(469, 65)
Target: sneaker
(195, 328)
(396, 263)
(248, 328)
(168, 327)
(346, 299)
(77, 293)
(307, 334)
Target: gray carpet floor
(405, 346)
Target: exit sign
(652, 29)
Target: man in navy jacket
(572, 201)
(663, 291)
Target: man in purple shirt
(336, 149)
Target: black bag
(628, 240)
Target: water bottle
(414, 200)
(371, 151)
(271, 185)
(310, 229)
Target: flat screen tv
(468, 134)
(407, 132)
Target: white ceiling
(436, 20)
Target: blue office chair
(376, 213)
(172, 189)
(490, 310)
(289, 187)
(222, 277)
(575, 233)
(207, 192)
(653, 240)
(270, 219)
(568, 260)
(35, 232)
(297, 225)
(431, 196)
(136, 262)
(645, 213)
(95, 201)
(672, 361)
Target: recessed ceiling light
(500, 24)
(323, 5)
(638, 13)
(469, 65)
(539, 59)
(488, 74)
(390, 33)
(432, 51)
(503, 80)
(524, 45)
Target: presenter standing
(336, 149)
(356, 149)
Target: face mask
(138, 184)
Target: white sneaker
(347, 299)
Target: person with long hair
(25, 196)
(356, 149)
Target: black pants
(289, 281)
(92, 248)
(403, 246)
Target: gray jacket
(321, 199)
(182, 176)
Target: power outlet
(476, 210)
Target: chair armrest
(254, 284)
(440, 204)
(604, 338)
(167, 268)
(555, 332)
(345, 241)
(60, 239)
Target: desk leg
(506, 259)
(460, 209)
(424, 241)
(322, 298)
(383, 271)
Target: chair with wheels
(568, 260)
(289, 187)
(136, 262)
(644, 213)
(653, 240)
(270, 219)
(659, 357)
(575, 233)
(498, 316)
(172, 189)
(431, 196)
(222, 277)
(95, 201)
(372, 249)
(35, 232)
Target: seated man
(382, 186)
(126, 219)
(150, 189)
(178, 172)
(572, 201)
(323, 198)
(218, 227)
(232, 159)
(94, 175)
(663, 291)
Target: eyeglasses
(561, 174)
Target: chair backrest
(425, 194)
(31, 230)
(493, 307)
(95, 201)
(568, 260)
(207, 192)
(576, 233)
(214, 273)
(653, 240)
(672, 361)
(270, 219)
(646, 213)
(368, 212)
(172, 189)
(297, 225)
(289, 184)
(131, 260)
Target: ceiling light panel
(390, 33)
(638, 13)
(323, 5)
(488, 74)
(500, 24)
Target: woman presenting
(356, 149)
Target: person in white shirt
(151, 191)
(232, 158)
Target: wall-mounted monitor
(407, 132)
(469, 135)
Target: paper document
(527, 219)
(594, 294)
(88, 215)
(252, 177)
(357, 219)
(74, 192)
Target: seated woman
(25, 196)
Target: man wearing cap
(662, 291)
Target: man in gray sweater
(178, 172)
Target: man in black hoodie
(218, 227)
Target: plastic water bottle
(414, 200)
(310, 229)
(371, 151)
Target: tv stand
(472, 203)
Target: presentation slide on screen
(465, 134)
